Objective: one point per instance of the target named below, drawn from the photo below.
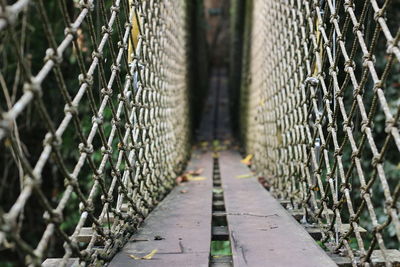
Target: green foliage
(322, 245)
(221, 248)
(32, 128)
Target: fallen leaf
(197, 178)
(204, 144)
(138, 240)
(183, 191)
(196, 172)
(227, 142)
(315, 188)
(80, 40)
(216, 144)
(146, 257)
(217, 191)
(150, 255)
(157, 237)
(134, 257)
(181, 179)
(264, 182)
(247, 175)
(7, 142)
(247, 159)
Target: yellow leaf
(135, 257)
(150, 255)
(204, 144)
(218, 191)
(197, 178)
(247, 175)
(227, 142)
(195, 172)
(7, 142)
(315, 188)
(215, 143)
(247, 159)
(146, 257)
(135, 31)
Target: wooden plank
(315, 230)
(345, 228)
(393, 255)
(218, 197)
(221, 261)
(219, 213)
(377, 259)
(220, 233)
(298, 214)
(86, 235)
(340, 261)
(285, 203)
(181, 223)
(56, 262)
(105, 219)
(218, 206)
(262, 232)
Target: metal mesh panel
(321, 112)
(121, 138)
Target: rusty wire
(132, 162)
(320, 121)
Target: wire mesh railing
(320, 102)
(94, 122)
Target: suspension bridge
(191, 133)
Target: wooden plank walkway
(179, 228)
(262, 232)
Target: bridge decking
(227, 204)
(181, 223)
(261, 231)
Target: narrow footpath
(219, 200)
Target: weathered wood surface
(56, 262)
(377, 259)
(183, 223)
(220, 233)
(262, 232)
(316, 233)
(215, 123)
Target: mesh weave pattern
(125, 119)
(321, 116)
